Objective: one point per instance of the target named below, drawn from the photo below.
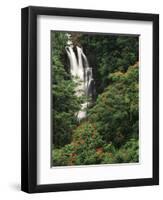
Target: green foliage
(116, 110)
(65, 102)
(128, 153)
(108, 54)
(109, 134)
(87, 147)
(83, 149)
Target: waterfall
(79, 68)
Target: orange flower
(99, 150)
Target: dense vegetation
(109, 134)
(65, 102)
(108, 54)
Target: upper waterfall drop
(79, 67)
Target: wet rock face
(75, 38)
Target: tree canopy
(110, 132)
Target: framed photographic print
(90, 99)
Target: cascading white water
(79, 68)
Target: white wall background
(10, 80)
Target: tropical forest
(95, 98)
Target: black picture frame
(29, 99)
